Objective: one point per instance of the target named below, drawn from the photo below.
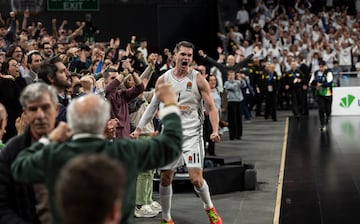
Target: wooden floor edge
(281, 175)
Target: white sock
(165, 200)
(204, 194)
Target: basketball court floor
(322, 172)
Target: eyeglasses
(17, 64)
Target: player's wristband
(170, 104)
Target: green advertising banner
(73, 5)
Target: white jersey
(189, 102)
(190, 105)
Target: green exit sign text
(73, 5)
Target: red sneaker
(214, 217)
(164, 221)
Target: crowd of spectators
(266, 39)
(282, 33)
(292, 38)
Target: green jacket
(42, 163)
(2, 145)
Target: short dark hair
(84, 47)
(56, 46)
(322, 62)
(4, 25)
(48, 68)
(87, 188)
(29, 56)
(107, 71)
(184, 44)
(42, 46)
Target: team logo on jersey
(190, 159)
(189, 86)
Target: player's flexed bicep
(204, 89)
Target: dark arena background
(162, 23)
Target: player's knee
(166, 179)
(197, 182)
(165, 182)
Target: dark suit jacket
(17, 200)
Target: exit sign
(73, 5)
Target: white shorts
(192, 155)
